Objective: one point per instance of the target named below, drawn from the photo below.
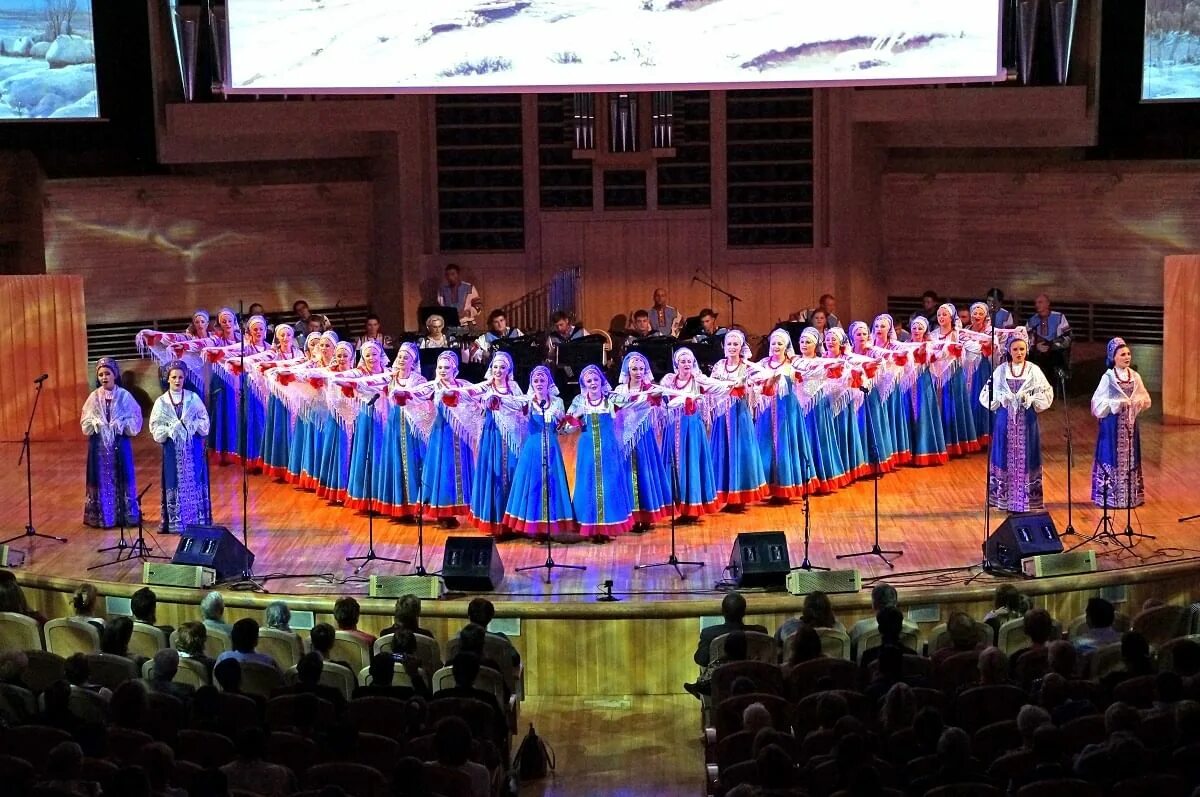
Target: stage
(934, 515)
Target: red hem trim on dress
(926, 460)
(607, 529)
(449, 511)
(649, 518)
(535, 527)
(697, 510)
(759, 493)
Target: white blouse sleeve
(163, 424)
(195, 418)
(1041, 395)
(1104, 403)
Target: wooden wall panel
(46, 316)
(162, 246)
(1181, 367)
(1082, 235)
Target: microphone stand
(806, 564)
(985, 566)
(672, 560)
(27, 456)
(1129, 533)
(1070, 529)
(549, 565)
(246, 580)
(135, 550)
(874, 452)
(727, 294)
(370, 555)
(1103, 533)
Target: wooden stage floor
(933, 514)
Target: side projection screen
(47, 60)
(397, 46)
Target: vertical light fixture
(218, 26)
(1027, 19)
(1062, 26)
(185, 25)
(662, 118)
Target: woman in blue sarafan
(641, 419)
(817, 394)
(406, 434)
(363, 416)
(603, 498)
(179, 422)
(110, 418)
(1119, 398)
(499, 444)
(448, 471)
(686, 447)
(301, 433)
(893, 364)
(539, 502)
(920, 400)
(846, 398)
(874, 423)
(333, 452)
(278, 422)
(222, 400)
(958, 409)
(783, 442)
(1017, 393)
(737, 464)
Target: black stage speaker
(215, 547)
(759, 559)
(1020, 536)
(472, 564)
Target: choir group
(362, 432)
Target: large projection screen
(47, 60)
(1171, 51)
(398, 46)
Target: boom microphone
(41, 379)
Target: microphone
(695, 277)
(41, 379)
(374, 398)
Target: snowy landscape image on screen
(1171, 50)
(47, 60)
(402, 45)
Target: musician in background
(498, 329)
(435, 334)
(303, 313)
(664, 319)
(1050, 339)
(642, 329)
(710, 329)
(995, 302)
(460, 295)
(563, 331)
(372, 332)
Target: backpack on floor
(534, 757)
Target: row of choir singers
(747, 432)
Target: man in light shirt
(459, 295)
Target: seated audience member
(1029, 719)
(115, 638)
(1061, 657)
(78, 674)
(158, 762)
(1050, 760)
(12, 598)
(733, 610)
(804, 645)
(63, 772)
(128, 706)
(883, 596)
(212, 612)
(955, 763)
(742, 686)
(1185, 658)
(278, 616)
(13, 664)
(83, 604)
(346, 612)
(471, 640)
(899, 708)
(452, 745)
(1135, 661)
(1009, 604)
(481, 612)
(244, 638)
(736, 649)
(322, 636)
(1122, 755)
(252, 773)
(56, 709)
(383, 669)
(1054, 695)
(228, 675)
(1099, 630)
(162, 675)
(1030, 662)
(408, 779)
(890, 672)
(466, 669)
(1187, 724)
(308, 681)
(776, 772)
(817, 612)
(190, 641)
(891, 625)
(144, 606)
(927, 728)
(407, 617)
(755, 717)
(960, 627)
(993, 667)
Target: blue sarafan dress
(890, 380)
(817, 391)
(783, 443)
(737, 464)
(871, 416)
(688, 452)
(540, 500)
(603, 499)
(958, 411)
(110, 423)
(921, 412)
(368, 436)
(1117, 472)
(179, 423)
(1015, 459)
(405, 433)
(448, 471)
(640, 419)
(978, 363)
(499, 445)
(229, 383)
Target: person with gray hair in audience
(993, 667)
(883, 596)
(162, 675)
(755, 717)
(278, 616)
(212, 612)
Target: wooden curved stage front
(575, 645)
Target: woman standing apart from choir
(110, 418)
(1118, 401)
(179, 422)
(1018, 392)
